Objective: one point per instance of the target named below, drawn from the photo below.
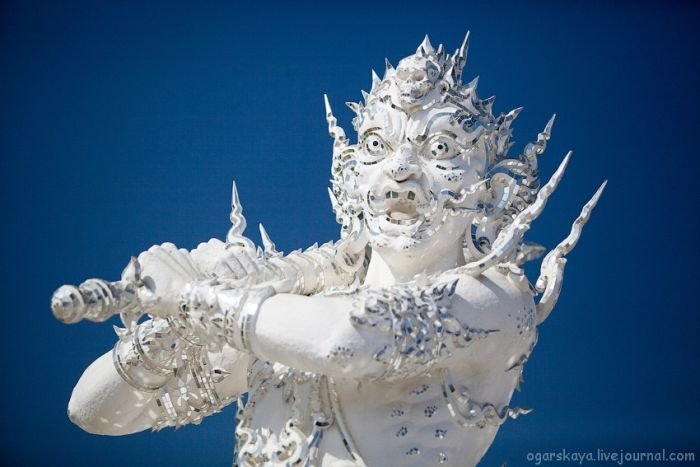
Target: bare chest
(315, 420)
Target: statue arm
(387, 333)
(103, 402)
(315, 334)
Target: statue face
(418, 175)
(426, 146)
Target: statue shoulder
(499, 297)
(497, 316)
(495, 284)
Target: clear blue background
(123, 124)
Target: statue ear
(495, 197)
(501, 190)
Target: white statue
(398, 345)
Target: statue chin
(397, 243)
(422, 248)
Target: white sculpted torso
(447, 414)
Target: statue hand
(164, 272)
(215, 258)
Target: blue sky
(123, 125)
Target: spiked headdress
(427, 78)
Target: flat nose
(402, 166)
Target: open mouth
(399, 207)
(413, 93)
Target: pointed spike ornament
(354, 106)
(515, 112)
(450, 75)
(460, 57)
(425, 47)
(504, 131)
(340, 141)
(532, 150)
(387, 66)
(464, 48)
(270, 249)
(334, 201)
(552, 271)
(508, 240)
(440, 52)
(473, 84)
(235, 237)
(507, 119)
(549, 125)
(375, 80)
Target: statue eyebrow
(370, 130)
(429, 125)
(444, 132)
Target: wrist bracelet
(131, 361)
(247, 317)
(155, 347)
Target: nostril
(399, 172)
(400, 167)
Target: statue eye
(442, 148)
(374, 145)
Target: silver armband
(147, 357)
(190, 396)
(419, 325)
(154, 358)
(214, 314)
(248, 316)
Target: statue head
(430, 162)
